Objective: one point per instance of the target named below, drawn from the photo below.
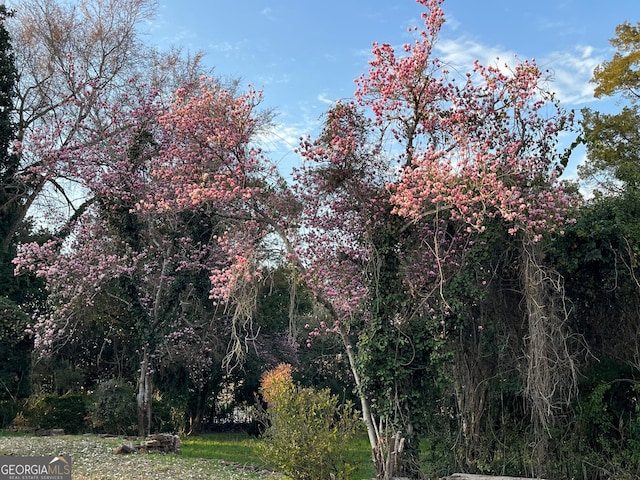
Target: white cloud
(323, 98)
(283, 137)
(222, 47)
(463, 53)
(280, 143)
(268, 13)
(280, 78)
(227, 47)
(569, 70)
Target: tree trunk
(197, 412)
(144, 397)
(387, 451)
(470, 387)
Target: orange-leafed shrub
(275, 381)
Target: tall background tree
(9, 164)
(72, 56)
(15, 346)
(612, 169)
(612, 140)
(598, 258)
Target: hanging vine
(551, 374)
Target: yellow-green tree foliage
(613, 140)
(621, 74)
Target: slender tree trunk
(388, 442)
(367, 415)
(144, 397)
(197, 413)
(386, 450)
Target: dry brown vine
(551, 368)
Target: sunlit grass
(242, 449)
(230, 447)
(358, 454)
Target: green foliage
(307, 431)
(323, 364)
(67, 378)
(67, 412)
(281, 297)
(602, 439)
(15, 351)
(8, 76)
(597, 257)
(57, 376)
(8, 411)
(114, 409)
(613, 146)
(9, 162)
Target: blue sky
(305, 55)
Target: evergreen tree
(15, 348)
(8, 157)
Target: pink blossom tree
(396, 190)
(168, 204)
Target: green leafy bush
(8, 411)
(67, 412)
(307, 430)
(114, 408)
(603, 438)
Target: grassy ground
(204, 457)
(94, 459)
(241, 449)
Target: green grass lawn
(230, 447)
(241, 448)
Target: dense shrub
(307, 429)
(67, 412)
(114, 408)
(604, 438)
(8, 411)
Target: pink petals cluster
(497, 157)
(74, 275)
(338, 185)
(463, 152)
(150, 172)
(481, 149)
(208, 154)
